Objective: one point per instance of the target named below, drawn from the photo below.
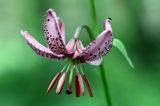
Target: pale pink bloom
(73, 50)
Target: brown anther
(53, 81)
(88, 85)
(80, 81)
(61, 82)
(77, 87)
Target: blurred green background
(25, 76)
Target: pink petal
(61, 82)
(38, 48)
(71, 46)
(99, 47)
(78, 49)
(53, 33)
(53, 81)
(62, 29)
(107, 25)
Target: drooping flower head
(74, 51)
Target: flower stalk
(102, 72)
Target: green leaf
(118, 44)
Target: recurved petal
(98, 48)
(62, 29)
(54, 31)
(38, 48)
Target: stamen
(88, 85)
(69, 91)
(80, 81)
(62, 79)
(87, 82)
(61, 82)
(77, 87)
(53, 81)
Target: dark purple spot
(58, 33)
(56, 39)
(47, 38)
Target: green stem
(94, 17)
(105, 85)
(102, 72)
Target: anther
(88, 85)
(61, 82)
(53, 81)
(77, 86)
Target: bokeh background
(25, 76)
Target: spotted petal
(62, 29)
(54, 33)
(99, 47)
(38, 48)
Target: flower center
(74, 47)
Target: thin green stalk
(102, 72)
(105, 85)
(94, 17)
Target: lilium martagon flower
(73, 51)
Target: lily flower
(74, 51)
